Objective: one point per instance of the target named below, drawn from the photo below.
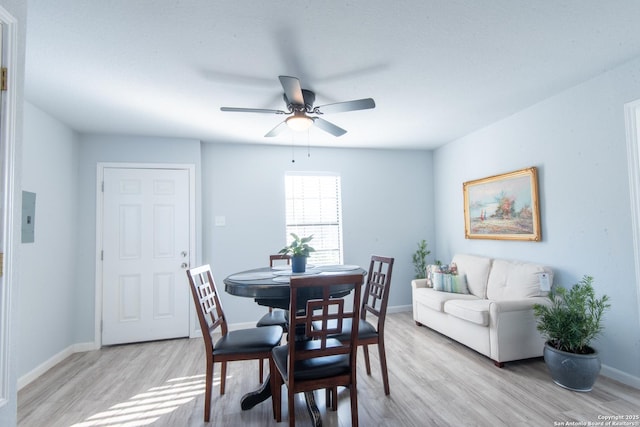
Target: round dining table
(269, 286)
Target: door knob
(184, 265)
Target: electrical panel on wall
(28, 217)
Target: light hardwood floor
(434, 382)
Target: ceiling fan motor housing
(309, 98)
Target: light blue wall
(109, 148)
(577, 141)
(386, 209)
(50, 169)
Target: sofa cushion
(515, 279)
(476, 268)
(476, 311)
(455, 283)
(435, 300)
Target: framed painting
(503, 207)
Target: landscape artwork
(503, 207)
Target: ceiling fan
(299, 104)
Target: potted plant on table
(299, 250)
(569, 323)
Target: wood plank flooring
(434, 382)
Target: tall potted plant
(420, 259)
(569, 323)
(299, 250)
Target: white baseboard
(618, 375)
(29, 377)
(399, 308)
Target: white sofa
(496, 317)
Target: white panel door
(145, 253)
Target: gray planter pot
(577, 372)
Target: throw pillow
(431, 268)
(456, 283)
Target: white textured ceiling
(436, 69)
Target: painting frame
(503, 207)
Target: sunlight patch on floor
(147, 407)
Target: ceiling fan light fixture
(299, 122)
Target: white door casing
(9, 176)
(146, 245)
(632, 121)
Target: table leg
(252, 398)
(312, 407)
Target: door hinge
(101, 255)
(103, 186)
(3, 79)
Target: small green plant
(573, 318)
(420, 259)
(299, 246)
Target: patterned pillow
(431, 268)
(456, 283)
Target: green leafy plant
(573, 318)
(299, 246)
(420, 259)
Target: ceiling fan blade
(328, 127)
(292, 89)
(252, 110)
(277, 130)
(340, 107)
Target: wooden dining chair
(273, 317)
(374, 303)
(312, 359)
(243, 344)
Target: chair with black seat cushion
(374, 302)
(244, 344)
(274, 317)
(312, 359)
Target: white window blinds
(313, 206)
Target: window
(313, 206)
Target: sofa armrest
(419, 283)
(517, 304)
(513, 333)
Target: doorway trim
(632, 120)
(10, 202)
(100, 222)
